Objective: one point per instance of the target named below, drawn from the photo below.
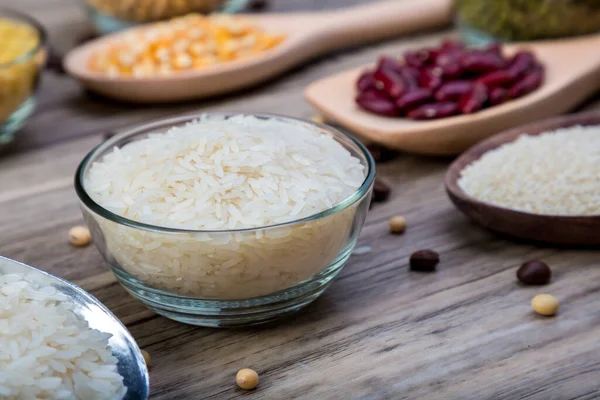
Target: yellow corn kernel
(189, 42)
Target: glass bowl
(19, 77)
(230, 277)
(110, 16)
(131, 362)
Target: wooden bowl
(553, 229)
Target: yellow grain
(185, 43)
(18, 68)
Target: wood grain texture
(380, 331)
(554, 229)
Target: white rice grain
(48, 347)
(222, 174)
(554, 173)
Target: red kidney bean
(450, 65)
(481, 62)
(417, 59)
(431, 78)
(520, 63)
(494, 48)
(381, 105)
(410, 76)
(497, 96)
(434, 110)
(531, 81)
(448, 47)
(473, 100)
(496, 79)
(413, 98)
(376, 95)
(389, 82)
(452, 70)
(453, 90)
(451, 44)
(447, 80)
(366, 81)
(388, 63)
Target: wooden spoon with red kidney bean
(446, 81)
(570, 74)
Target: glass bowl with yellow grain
(22, 56)
(113, 15)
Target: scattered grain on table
(545, 304)
(397, 224)
(534, 272)
(424, 260)
(79, 236)
(247, 379)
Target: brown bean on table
(381, 154)
(381, 191)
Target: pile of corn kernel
(17, 76)
(185, 43)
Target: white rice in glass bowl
(212, 185)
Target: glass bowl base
(231, 313)
(106, 24)
(16, 121)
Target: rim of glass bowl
(6, 12)
(121, 139)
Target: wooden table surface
(380, 331)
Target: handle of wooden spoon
(381, 20)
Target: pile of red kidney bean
(446, 81)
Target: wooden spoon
(555, 229)
(572, 74)
(308, 35)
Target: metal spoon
(131, 362)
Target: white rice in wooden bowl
(220, 175)
(47, 352)
(554, 173)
